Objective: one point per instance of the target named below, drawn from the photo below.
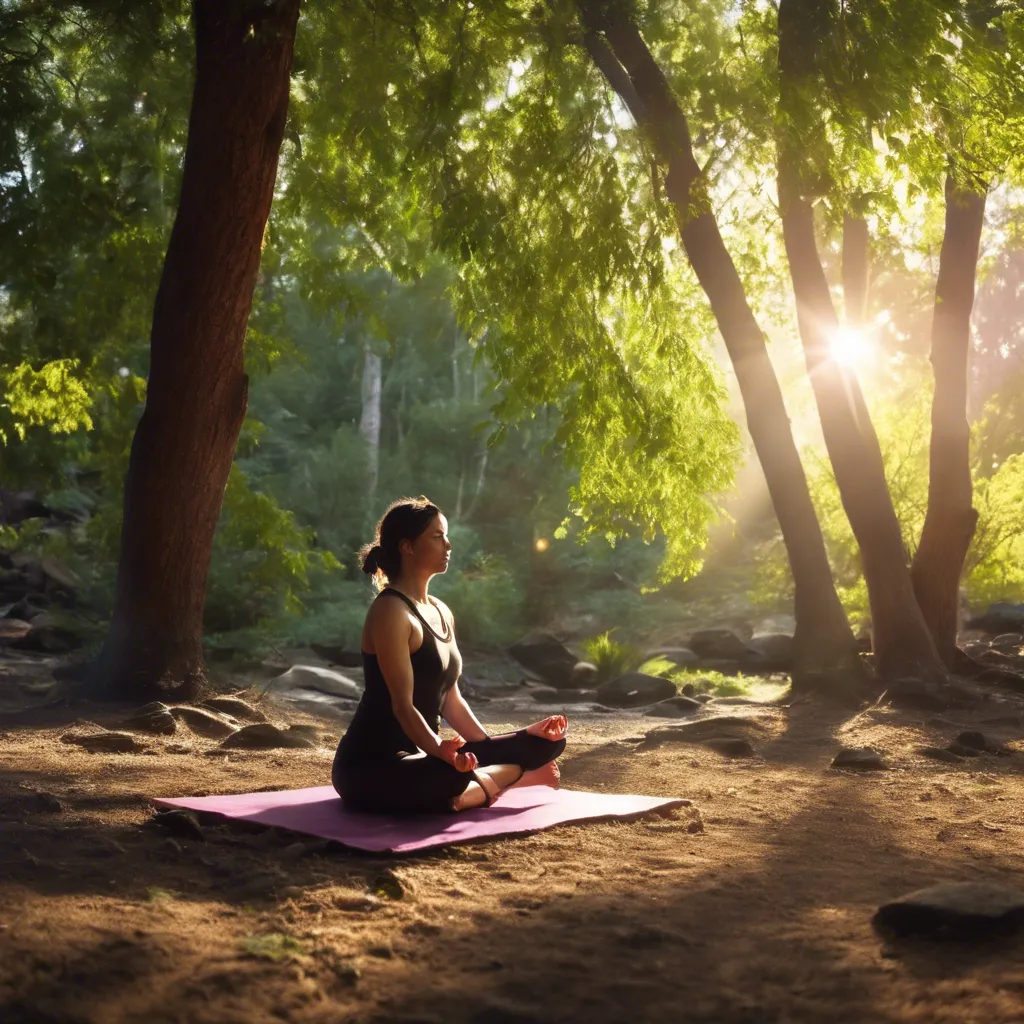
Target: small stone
(157, 722)
(235, 707)
(583, 676)
(860, 759)
(730, 746)
(47, 803)
(210, 724)
(679, 706)
(294, 851)
(549, 695)
(391, 884)
(977, 741)
(955, 910)
(363, 902)
(939, 754)
(105, 743)
(264, 736)
(178, 822)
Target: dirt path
(762, 917)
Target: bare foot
(546, 775)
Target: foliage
(611, 657)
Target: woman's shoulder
(388, 609)
(443, 608)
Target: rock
(916, 693)
(13, 629)
(977, 741)
(961, 910)
(363, 902)
(718, 644)
(1007, 641)
(105, 742)
(859, 758)
(583, 676)
(725, 727)
(1001, 617)
(545, 656)
(48, 638)
(264, 736)
(775, 649)
(682, 657)
(60, 574)
(337, 654)
(235, 707)
(210, 724)
(678, 706)
(939, 754)
(553, 696)
(962, 750)
(179, 822)
(47, 803)
(24, 609)
(315, 677)
(393, 885)
(635, 690)
(155, 718)
(730, 746)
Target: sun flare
(849, 346)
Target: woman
(391, 758)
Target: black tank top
(374, 732)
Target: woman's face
(431, 550)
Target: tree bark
(184, 444)
(369, 420)
(902, 643)
(856, 260)
(950, 520)
(825, 654)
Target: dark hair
(405, 519)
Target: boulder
(206, 723)
(154, 718)
(718, 645)
(678, 706)
(338, 654)
(546, 657)
(12, 630)
(264, 736)
(862, 759)
(556, 696)
(583, 675)
(775, 650)
(955, 910)
(105, 742)
(48, 638)
(57, 573)
(635, 690)
(1001, 617)
(683, 657)
(1007, 642)
(235, 707)
(315, 677)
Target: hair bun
(371, 561)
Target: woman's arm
(390, 629)
(459, 715)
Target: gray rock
(339, 654)
(553, 696)
(1001, 617)
(315, 677)
(860, 759)
(730, 746)
(235, 707)
(13, 629)
(105, 742)
(718, 644)
(545, 656)
(977, 741)
(156, 720)
(635, 690)
(725, 727)
(1007, 641)
(775, 649)
(583, 676)
(210, 724)
(264, 736)
(679, 706)
(964, 910)
(680, 656)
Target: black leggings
(420, 783)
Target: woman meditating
(391, 759)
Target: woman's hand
(450, 752)
(553, 728)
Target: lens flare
(849, 346)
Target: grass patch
(157, 895)
(275, 946)
(715, 683)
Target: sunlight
(849, 346)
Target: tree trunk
(901, 641)
(950, 520)
(369, 421)
(856, 257)
(825, 654)
(196, 400)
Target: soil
(756, 910)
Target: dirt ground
(764, 916)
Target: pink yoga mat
(319, 812)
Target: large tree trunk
(825, 654)
(183, 447)
(901, 640)
(950, 520)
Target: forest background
(384, 361)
